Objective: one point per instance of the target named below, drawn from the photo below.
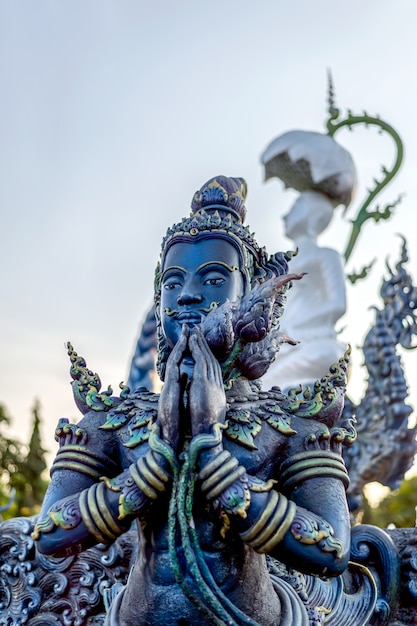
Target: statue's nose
(188, 297)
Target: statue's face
(196, 275)
(296, 220)
(309, 216)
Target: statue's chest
(256, 433)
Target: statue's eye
(171, 283)
(213, 281)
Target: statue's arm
(302, 519)
(89, 499)
(93, 497)
(309, 533)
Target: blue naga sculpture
(237, 495)
(386, 445)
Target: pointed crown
(218, 207)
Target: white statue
(324, 173)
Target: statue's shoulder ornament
(139, 412)
(137, 409)
(323, 404)
(86, 386)
(245, 416)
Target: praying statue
(226, 484)
(324, 174)
(312, 327)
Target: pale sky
(112, 114)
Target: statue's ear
(271, 266)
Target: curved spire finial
(334, 124)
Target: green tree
(398, 508)
(22, 469)
(11, 457)
(30, 494)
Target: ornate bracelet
(79, 459)
(148, 476)
(225, 482)
(272, 524)
(143, 480)
(312, 464)
(219, 474)
(90, 507)
(96, 515)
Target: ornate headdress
(218, 210)
(218, 206)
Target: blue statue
(228, 485)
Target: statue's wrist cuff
(149, 476)
(96, 515)
(219, 474)
(225, 483)
(143, 481)
(272, 524)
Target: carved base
(44, 591)
(405, 540)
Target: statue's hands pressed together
(171, 394)
(207, 396)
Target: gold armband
(79, 459)
(91, 507)
(312, 464)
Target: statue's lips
(190, 317)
